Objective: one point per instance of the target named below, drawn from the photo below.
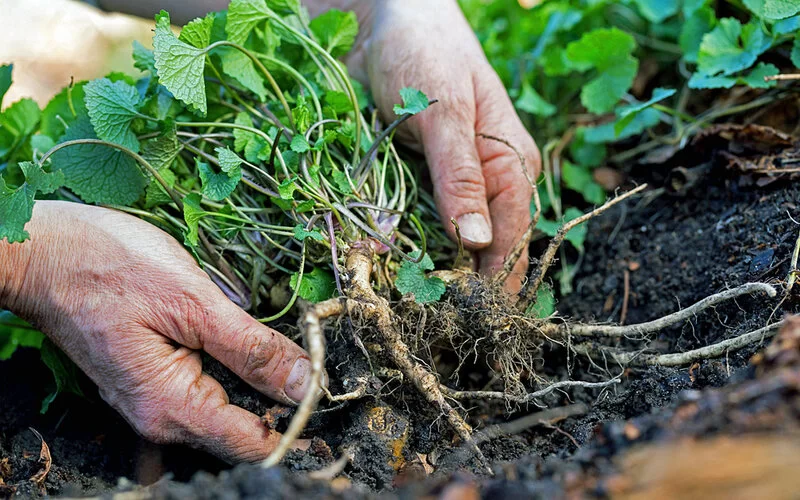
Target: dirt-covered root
(376, 310)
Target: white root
(641, 329)
(316, 349)
(682, 358)
(527, 398)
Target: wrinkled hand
(479, 182)
(129, 305)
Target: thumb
(457, 176)
(262, 357)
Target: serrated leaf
(16, 209)
(786, 26)
(773, 9)
(287, 188)
(414, 101)
(531, 102)
(197, 32)
(112, 109)
(243, 16)
(38, 179)
(228, 160)
(318, 285)
(300, 144)
(730, 48)
(193, 213)
(341, 181)
(626, 114)
(238, 66)
(336, 31)
(162, 151)
(155, 194)
(609, 52)
(754, 79)
(143, 58)
(242, 137)
(5, 80)
(411, 278)
(218, 185)
(656, 11)
(300, 233)
(180, 66)
(338, 101)
(98, 173)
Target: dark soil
(676, 249)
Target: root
(359, 266)
(528, 293)
(641, 329)
(681, 358)
(311, 324)
(527, 398)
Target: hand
(129, 305)
(477, 181)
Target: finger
(448, 136)
(508, 183)
(206, 319)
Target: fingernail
(474, 228)
(298, 381)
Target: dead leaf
(44, 459)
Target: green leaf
(730, 48)
(754, 79)
(545, 304)
(531, 102)
(238, 66)
(197, 32)
(15, 333)
(609, 52)
(143, 58)
(21, 118)
(302, 115)
(694, 28)
(192, 214)
(228, 160)
(180, 66)
(341, 181)
(786, 26)
(38, 179)
(287, 188)
(112, 109)
(627, 114)
(300, 144)
(301, 234)
(607, 132)
(98, 173)
(656, 11)
(241, 138)
(155, 194)
(59, 111)
(336, 31)
(579, 178)
(577, 236)
(243, 17)
(773, 9)
(162, 151)
(318, 285)
(414, 101)
(285, 6)
(338, 101)
(217, 186)
(65, 373)
(5, 80)
(795, 55)
(411, 278)
(16, 209)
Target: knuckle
(262, 357)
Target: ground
(676, 248)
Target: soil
(675, 248)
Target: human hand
(129, 305)
(477, 181)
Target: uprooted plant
(248, 141)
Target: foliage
(580, 58)
(411, 278)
